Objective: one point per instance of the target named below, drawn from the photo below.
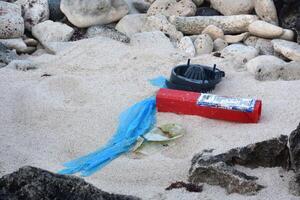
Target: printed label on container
(239, 104)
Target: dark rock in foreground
(29, 183)
(268, 153)
(214, 171)
(294, 141)
(219, 170)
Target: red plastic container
(183, 102)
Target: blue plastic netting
(134, 122)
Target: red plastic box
(183, 102)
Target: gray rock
(236, 38)
(294, 141)
(203, 44)
(173, 7)
(268, 153)
(264, 46)
(220, 44)
(291, 71)
(219, 169)
(34, 12)
(290, 50)
(266, 11)
(160, 23)
(288, 35)
(265, 30)
(229, 24)
(187, 46)
(239, 53)
(50, 31)
(131, 24)
(251, 41)
(106, 31)
(85, 13)
(233, 7)
(6, 55)
(55, 12)
(11, 21)
(141, 5)
(294, 185)
(214, 32)
(16, 43)
(35, 184)
(265, 67)
(214, 171)
(31, 42)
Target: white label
(240, 104)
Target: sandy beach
(48, 120)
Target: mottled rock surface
(266, 11)
(131, 24)
(106, 31)
(173, 7)
(34, 12)
(6, 55)
(229, 24)
(233, 7)
(290, 50)
(219, 169)
(265, 30)
(85, 13)
(11, 21)
(31, 183)
(214, 171)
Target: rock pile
(239, 30)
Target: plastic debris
(133, 123)
(192, 103)
(194, 77)
(158, 139)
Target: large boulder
(131, 24)
(35, 184)
(85, 13)
(233, 7)
(229, 24)
(290, 50)
(34, 12)
(11, 21)
(173, 7)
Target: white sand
(46, 121)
